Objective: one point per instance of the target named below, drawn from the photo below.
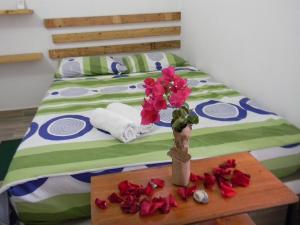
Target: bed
(49, 178)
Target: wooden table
(265, 191)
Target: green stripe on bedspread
(134, 101)
(109, 82)
(117, 155)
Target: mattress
(49, 179)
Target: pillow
(89, 66)
(148, 62)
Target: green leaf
(179, 124)
(183, 112)
(193, 119)
(176, 114)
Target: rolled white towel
(118, 126)
(130, 113)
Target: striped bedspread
(49, 177)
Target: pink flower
(168, 73)
(149, 84)
(158, 90)
(179, 83)
(159, 103)
(178, 99)
(149, 117)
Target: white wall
(24, 85)
(251, 45)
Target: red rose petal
(231, 163)
(157, 203)
(172, 201)
(226, 190)
(240, 179)
(185, 192)
(221, 172)
(194, 177)
(130, 205)
(127, 188)
(159, 182)
(209, 181)
(166, 207)
(115, 198)
(182, 193)
(145, 207)
(148, 190)
(101, 203)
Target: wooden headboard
(113, 35)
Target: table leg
(292, 217)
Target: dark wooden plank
(117, 34)
(265, 191)
(112, 49)
(108, 20)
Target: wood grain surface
(116, 34)
(109, 20)
(113, 49)
(265, 191)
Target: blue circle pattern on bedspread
(220, 111)
(248, 104)
(65, 127)
(32, 129)
(27, 187)
(85, 177)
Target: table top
(265, 191)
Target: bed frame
(113, 35)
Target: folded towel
(130, 113)
(118, 126)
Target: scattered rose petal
(226, 189)
(209, 181)
(145, 207)
(172, 201)
(130, 205)
(159, 182)
(157, 204)
(185, 192)
(230, 163)
(102, 204)
(148, 190)
(195, 178)
(221, 172)
(115, 198)
(240, 179)
(127, 188)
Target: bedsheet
(48, 180)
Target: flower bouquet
(171, 90)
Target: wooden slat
(112, 49)
(16, 12)
(118, 34)
(107, 20)
(4, 59)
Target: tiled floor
(14, 124)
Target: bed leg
(292, 217)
